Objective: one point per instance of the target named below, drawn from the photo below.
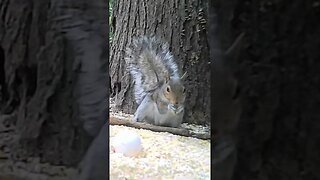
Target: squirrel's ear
(184, 76)
(166, 78)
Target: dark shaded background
(54, 80)
(277, 73)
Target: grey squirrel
(158, 87)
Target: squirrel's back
(150, 62)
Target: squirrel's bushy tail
(149, 62)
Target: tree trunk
(278, 132)
(53, 84)
(183, 24)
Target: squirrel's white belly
(167, 117)
(148, 111)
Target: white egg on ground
(128, 143)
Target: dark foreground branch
(177, 131)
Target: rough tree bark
(183, 24)
(53, 80)
(278, 133)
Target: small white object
(128, 143)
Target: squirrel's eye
(168, 89)
(184, 90)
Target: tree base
(116, 120)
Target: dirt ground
(164, 156)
